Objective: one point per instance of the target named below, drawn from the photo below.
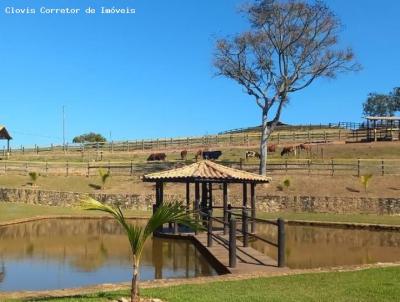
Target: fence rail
(242, 139)
(224, 140)
(306, 167)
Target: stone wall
(266, 203)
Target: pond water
(54, 254)
(311, 247)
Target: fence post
(309, 166)
(142, 144)
(286, 166)
(232, 243)
(281, 242)
(325, 136)
(279, 138)
(333, 167)
(245, 228)
(47, 167)
(340, 135)
(67, 168)
(383, 168)
(88, 169)
(358, 167)
(209, 229)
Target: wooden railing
(274, 166)
(230, 227)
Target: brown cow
(288, 150)
(156, 156)
(184, 154)
(198, 154)
(272, 148)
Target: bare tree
(289, 45)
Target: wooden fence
(227, 140)
(305, 167)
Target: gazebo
(204, 174)
(5, 135)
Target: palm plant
(104, 176)
(173, 212)
(365, 179)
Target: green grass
(328, 217)
(13, 211)
(367, 285)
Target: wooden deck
(249, 260)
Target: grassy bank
(327, 217)
(14, 211)
(367, 285)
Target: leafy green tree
(289, 45)
(382, 104)
(173, 212)
(89, 138)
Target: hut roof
(4, 133)
(206, 171)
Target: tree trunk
(264, 143)
(135, 284)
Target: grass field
(369, 285)
(314, 185)
(374, 150)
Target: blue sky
(150, 74)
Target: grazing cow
(211, 154)
(272, 148)
(156, 156)
(198, 154)
(288, 150)
(306, 147)
(249, 154)
(184, 154)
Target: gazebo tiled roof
(206, 171)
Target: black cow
(211, 154)
(156, 156)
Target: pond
(66, 253)
(312, 247)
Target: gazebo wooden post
(245, 217)
(159, 198)
(245, 195)
(210, 202)
(225, 203)
(253, 207)
(204, 194)
(187, 197)
(8, 145)
(196, 202)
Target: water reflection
(69, 253)
(310, 247)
